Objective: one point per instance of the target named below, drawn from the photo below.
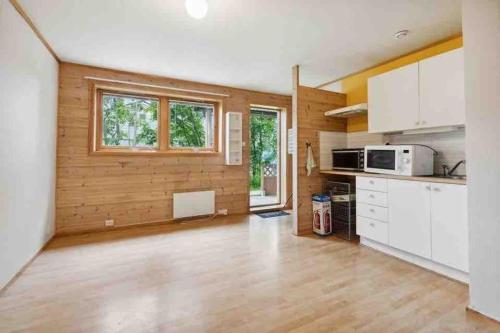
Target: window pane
(129, 121)
(191, 125)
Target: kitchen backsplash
(327, 142)
(450, 145)
(361, 139)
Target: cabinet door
(409, 216)
(234, 138)
(393, 103)
(450, 242)
(442, 101)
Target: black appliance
(348, 159)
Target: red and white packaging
(322, 212)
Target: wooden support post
(295, 165)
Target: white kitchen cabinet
(424, 223)
(426, 94)
(372, 229)
(371, 198)
(441, 84)
(371, 184)
(409, 216)
(371, 211)
(393, 101)
(450, 243)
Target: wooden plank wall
(310, 105)
(138, 189)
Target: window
(126, 122)
(191, 124)
(129, 121)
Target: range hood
(348, 111)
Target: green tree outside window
(191, 125)
(129, 121)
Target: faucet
(446, 170)
(455, 167)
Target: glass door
(264, 157)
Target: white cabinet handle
(424, 122)
(372, 196)
(436, 189)
(417, 123)
(428, 188)
(372, 210)
(372, 224)
(371, 182)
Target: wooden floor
(239, 274)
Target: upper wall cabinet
(393, 100)
(442, 101)
(423, 95)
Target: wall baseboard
(471, 309)
(142, 224)
(25, 266)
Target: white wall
(28, 109)
(481, 30)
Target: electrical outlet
(222, 211)
(109, 223)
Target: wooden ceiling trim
(37, 32)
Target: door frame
(281, 160)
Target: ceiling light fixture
(197, 8)
(402, 34)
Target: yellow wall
(356, 86)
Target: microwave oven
(348, 159)
(404, 160)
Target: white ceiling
(247, 43)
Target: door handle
(417, 123)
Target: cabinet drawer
(372, 184)
(372, 198)
(372, 229)
(371, 211)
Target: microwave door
(346, 160)
(381, 161)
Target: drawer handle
(437, 189)
(428, 188)
(372, 196)
(372, 182)
(372, 210)
(372, 224)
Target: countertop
(431, 179)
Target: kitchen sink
(456, 177)
(450, 176)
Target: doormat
(267, 215)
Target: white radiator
(188, 204)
